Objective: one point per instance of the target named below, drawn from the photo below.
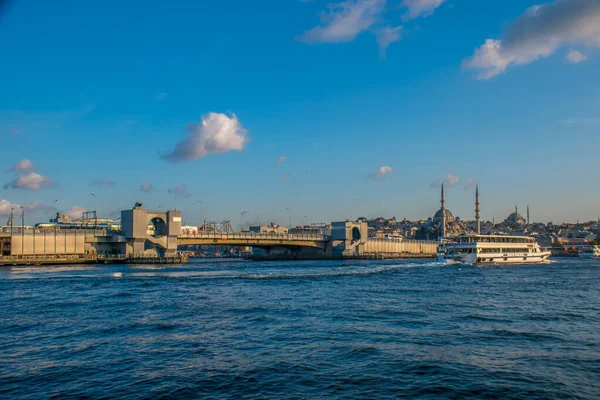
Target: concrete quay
(308, 257)
(41, 260)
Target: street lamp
(289, 218)
(96, 211)
(11, 225)
(242, 220)
(55, 225)
(200, 212)
(22, 232)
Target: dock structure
(154, 236)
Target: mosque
(516, 219)
(444, 223)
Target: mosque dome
(515, 218)
(437, 218)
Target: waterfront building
(271, 228)
(62, 221)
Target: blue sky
(98, 97)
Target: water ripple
(297, 330)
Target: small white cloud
(147, 188)
(179, 191)
(452, 180)
(420, 8)
(217, 133)
(344, 21)
(386, 36)
(161, 96)
(39, 206)
(104, 182)
(538, 33)
(76, 212)
(30, 181)
(23, 166)
(576, 57)
(6, 206)
(280, 160)
(449, 181)
(381, 173)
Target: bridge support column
(150, 233)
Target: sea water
(301, 330)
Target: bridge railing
(251, 236)
(18, 231)
(404, 241)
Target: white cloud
(538, 33)
(576, 57)
(344, 21)
(23, 166)
(104, 182)
(420, 8)
(147, 188)
(280, 160)
(449, 181)
(30, 181)
(76, 212)
(39, 206)
(386, 36)
(179, 191)
(217, 133)
(381, 173)
(6, 206)
(161, 96)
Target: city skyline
(359, 109)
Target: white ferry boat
(489, 249)
(586, 251)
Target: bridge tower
(348, 238)
(150, 233)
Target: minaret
(527, 214)
(516, 211)
(443, 201)
(477, 210)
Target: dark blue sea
(301, 330)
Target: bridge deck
(253, 239)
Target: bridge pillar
(150, 233)
(348, 238)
